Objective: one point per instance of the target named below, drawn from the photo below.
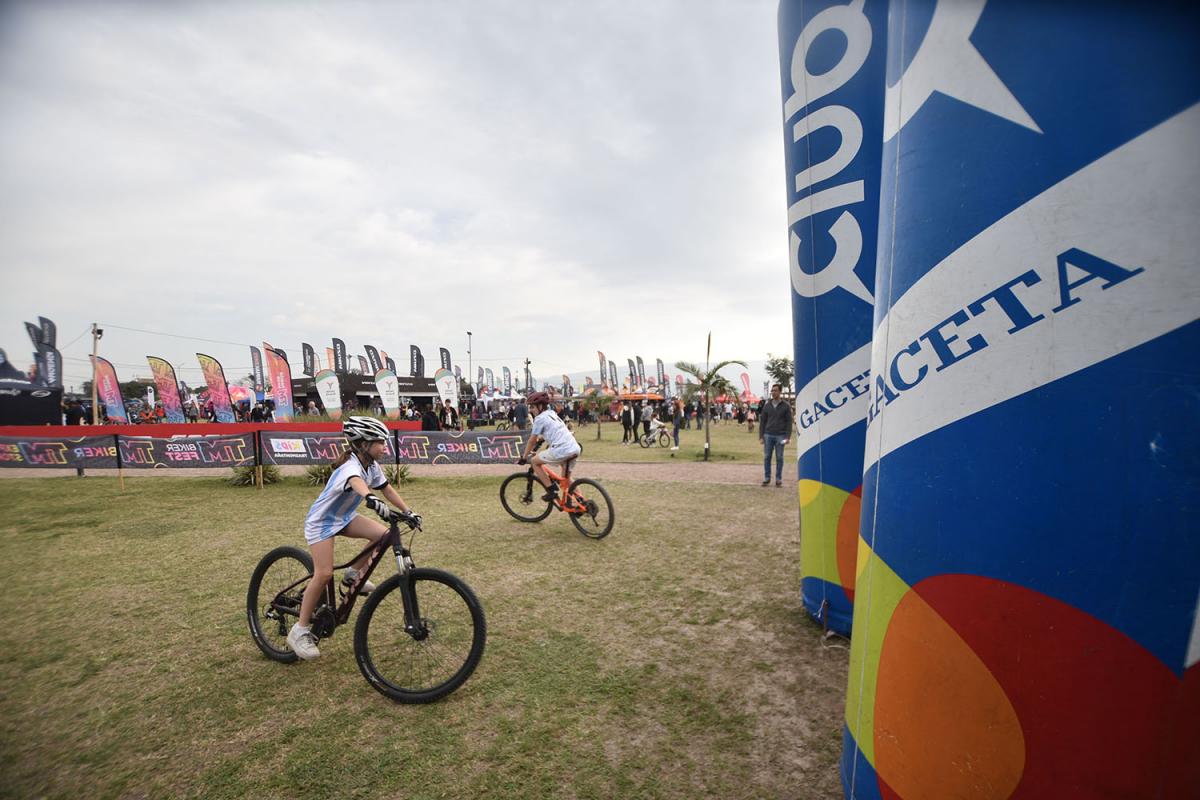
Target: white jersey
(335, 506)
(548, 426)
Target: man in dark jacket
(774, 431)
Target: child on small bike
(560, 443)
(356, 474)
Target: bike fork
(413, 624)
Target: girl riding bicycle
(561, 445)
(355, 475)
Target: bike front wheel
(273, 600)
(664, 439)
(596, 519)
(521, 496)
(426, 661)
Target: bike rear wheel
(596, 521)
(271, 607)
(521, 496)
(644, 440)
(429, 662)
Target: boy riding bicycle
(560, 444)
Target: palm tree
(710, 382)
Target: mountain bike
(658, 432)
(585, 501)
(419, 636)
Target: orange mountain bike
(584, 500)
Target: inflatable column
(1025, 619)
(832, 56)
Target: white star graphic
(947, 62)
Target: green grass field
(671, 659)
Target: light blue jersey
(335, 506)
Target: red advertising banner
(218, 389)
(168, 389)
(108, 389)
(280, 374)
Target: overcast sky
(556, 177)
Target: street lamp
(470, 372)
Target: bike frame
(405, 565)
(564, 496)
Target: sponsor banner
(612, 375)
(633, 379)
(662, 372)
(414, 361)
(146, 452)
(58, 452)
(447, 386)
(256, 368)
(283, 355)
(459, 447)
(507, 380)
(679, 385)
(329, 390)
(108, 389)
(218, 389)
(330, 361)
(168, 389)
(373, 359)
(389, 392)
(1031, 441)
(832, 58)
(388, 361)
(309, 447)
(603, 370)
(457, 373)
(641, 372)
(281, 383)
(339, 357)
(444, 356)
(491, 381)
(364, 367)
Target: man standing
(520, 414)
(775, 430)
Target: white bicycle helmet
(365, 429)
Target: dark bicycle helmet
(364, 429)
(538, 399)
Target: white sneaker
(675, 448)
(303, 643)
(348, 578)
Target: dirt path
(681, 472)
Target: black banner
(310, 359)
(145, 452)
(641, 374)
(339, 357)
(662, 374)
(391, 364)
(305, 448)
(459, 447)
(363, 366)
(414, 361)
(58, 452)
(373, 357)
(444, 354)
(256, 367)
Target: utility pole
(96, 334)
(470, 374)
(527, 362)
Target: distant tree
(709, 383)
(781, 369)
